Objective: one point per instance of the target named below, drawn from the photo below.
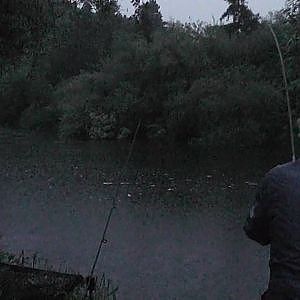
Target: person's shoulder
(284, 168)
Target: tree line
(84, 70)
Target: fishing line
(286, 93)
(124, 168)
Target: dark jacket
(275, 219)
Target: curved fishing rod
(124, 168)
(286, 92)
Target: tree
(23, 25)
(103, 6)
(243, 19)
(107, 7)
(292, 10)
(136, 3)
(148, 17)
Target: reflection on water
(177, 231)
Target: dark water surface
(177, 233)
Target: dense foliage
(84, 70)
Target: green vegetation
(93, 73)
(6, 257)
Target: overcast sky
(203, 10)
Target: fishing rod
(113, 207)
(286, 92)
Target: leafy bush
(74, 100)
(39, 118)
(21, 92)
(74, 123)
(15, 96)
(236, 106)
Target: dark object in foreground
(22, 283)
(274, 220)
(284, 295)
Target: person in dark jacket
(274, 220)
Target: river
(177, 232)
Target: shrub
(74, 123)
(15, 96)
(233, 107)
(39, 118)
(20, 93)
(75, 99)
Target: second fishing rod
(103, 239)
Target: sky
(203, 10)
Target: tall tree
(148, 16)
(135, 3)
(23, 25)
(102, 6)
(107, 7)
(243, 19)
(292, 10)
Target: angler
(274, 220)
